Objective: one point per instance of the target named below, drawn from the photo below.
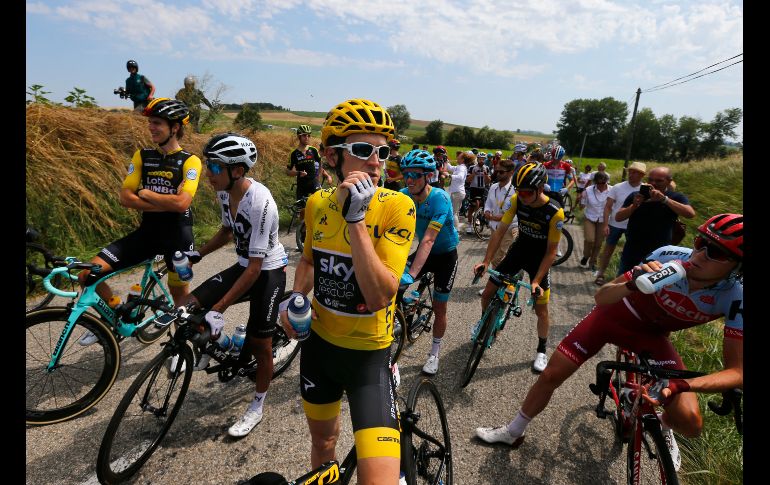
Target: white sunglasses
(364, 150)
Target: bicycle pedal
(517, 312)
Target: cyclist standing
(479, 179)
(558, 173)
(161, 184)
(712, 288)
(540, 223)
(519, 155)
(138, 87)
(302, 164)
(440, 156)
(392, 167)
(250, 218)
(437, 236)
(358, 239)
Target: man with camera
(651, 214)
(138, 87)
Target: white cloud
(38, 8)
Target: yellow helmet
(357, 116)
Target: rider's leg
(558, 370)
(323, 438)
(683, 415)
(102, 289)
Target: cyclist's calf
(683, 415)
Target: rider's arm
(223, 236)
(728, 378)
(497, 236)
(133, 183)
(554, 235)
(180, 201)
(631, 203)
(616, 290)
(423, 251)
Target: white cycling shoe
(243, 426)
(431, 366)
(88, 338)
(499, 435)
(172, 363)
(541, 361)
(673, 448)
(281, 353)
(203, 362)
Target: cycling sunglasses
(713, 252)
(363, 150)
(526, 192)
(214, 167)
(413, 175)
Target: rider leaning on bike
(161, 184)
(358, 239)
(437, 235)
(540, 223)
(639, 322)
(250, 218)
(303, 161)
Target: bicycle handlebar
(514, 280)
(731, 401)
(72, 263)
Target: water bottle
(669, 274)
(299, 315)
(510, 291)
(223, 342)
(134, 292)
(181, 265)
(238, 338)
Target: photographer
(651, 214)
(138, 87)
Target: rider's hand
(302, 173)
(675, 386)
(284, 316)
(194, 256)
(357, 190)
(216, 322)
(537, 291)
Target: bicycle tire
(39, 257)
(142, 423)
(480, 344)
(567, 207)
(658, 468)
(480, 225)
(399, 335)
(149, 333)
(300, 236)
(618, 416)
(424, 461)
(84, 373)
(423, 313)
(566, 245)
(281, 340)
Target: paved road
(566, 444)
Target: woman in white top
(583, 179)
(592, 201)
(457, 186)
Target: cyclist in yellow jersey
(357, 243)
(161, 184)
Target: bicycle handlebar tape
(479, 273)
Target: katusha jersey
(557, 170)
(151, 170)
(674, 307)
(435, 212)
(343, 318)
(537, 225)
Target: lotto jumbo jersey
(343, 317)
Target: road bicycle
(481, 226)
(636, 423)
(413, 315)
(39, 262)
(504, 303)
(566, 245)
(64, 377)
(426, 450)
(149, 407)
(294, 209)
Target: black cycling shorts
(521, 257)
(147, 242)
(477, 193)
(444, 267)
(306, 190)
(263, 296)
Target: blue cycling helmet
(520, 147)
(558, 153)
(418, 159)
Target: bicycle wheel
(619, 417)
(647, 457)
(38, 257)
(480, 344)
(144, 416)
(399, 335)
(480, 225)
(423, 313)
(300, 236)
(285, 350)
(428, 456)
(83, 374)
(565, 247)
(149, 333)
(567, 206)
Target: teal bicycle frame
(90, 299)
(510, 305)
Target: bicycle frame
(90, 299)
(511, 305)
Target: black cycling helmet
(530, 176)
(171, 110)
(132, 63)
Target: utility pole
(631, 138)
(581, 148)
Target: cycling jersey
(479, 180)
(393, 169)
(343, 318)
(435, 212)
(641, 322)
(149, 169)
(255, 226)
(558, 171)
(537, 225)
(305, 162)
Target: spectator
(651, 213)
(602, 168)
(611, 228)
(457, 185)
(584, 179)
(593, 201)
(193, 97)
(138, 87)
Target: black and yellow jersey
(343, 318)
(149, 169)
(537, 225)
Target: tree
(667, 125)
(401, 118)
(214, 94)
(647, 139)
(483, 137)
(714, 133)
(79, 99)
(601, 120)
(434, 132)
(686, 141)
(248, 118)
(460, 136)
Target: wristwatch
(665, 200)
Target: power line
(694, 73)
(696, 77)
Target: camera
(644, 189)
(121, 91)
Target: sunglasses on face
(713, 252)
(413, 175)
(214, 167)
(657, 181)
(526, 192)
(364, 150)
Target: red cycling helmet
(727, 231)
(394, 143)
(439, 149)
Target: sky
(505, 64)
